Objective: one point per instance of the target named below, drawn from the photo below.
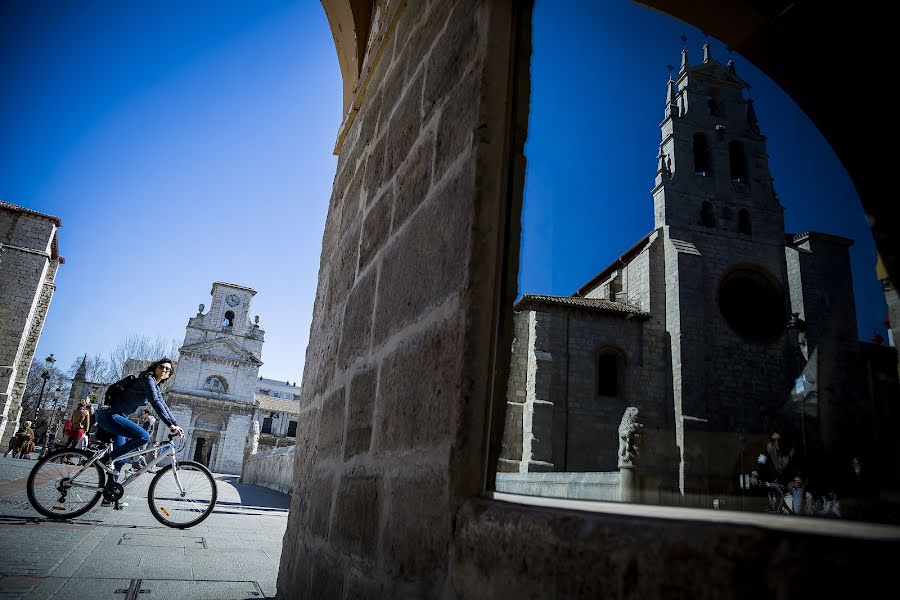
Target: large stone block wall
(511, 455)
(398, 366)
(584, 424)
(722, 383)
(28, 268)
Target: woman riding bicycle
(114, 418)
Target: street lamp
(52, 424)
(44, 376)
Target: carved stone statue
(629, 431)
(253, 437)
(200, 310)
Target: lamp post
(52, 424)
(44, 376)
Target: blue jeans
(121, 428)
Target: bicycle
(68, 483)
(777, 503)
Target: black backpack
(117, 389)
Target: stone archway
(205, 437)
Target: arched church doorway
(205, 435)
(201, 451)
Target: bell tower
(713, 173)
(726, 287)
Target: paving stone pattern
(127, 554)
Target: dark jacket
(139, 392)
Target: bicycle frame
(167, 450)
(780, 505)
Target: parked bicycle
(69, 482)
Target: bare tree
(97, 369)
(56, 384)
(141, 347)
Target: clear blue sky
(180, 143)
(187, 142)
(598, 95)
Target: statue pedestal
(628, 489)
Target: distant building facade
(277, 410)
(29, 260)
(216, 391)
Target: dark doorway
(200, 452)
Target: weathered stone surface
(357, 320)
(307, 432)
(376, 227)
(404, 126)
(29, 262)
(331, 429)
(369, 117)
(362, 588)
(357, 513)
(417, 387)
(320, 492)
(373, 178)
(450, 56)
(423, 36)
(410, 518)
(359, 418)
(456, 131)
(327, 577)
(343, 268)
(322, 349)
(427, 261)
(414, 179)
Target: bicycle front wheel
(185, 505)
(54, 493)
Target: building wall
(397, 365)
(273, 469)
(28, 266)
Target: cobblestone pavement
(127, 554)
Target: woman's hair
(152, 368)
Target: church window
(292, 429)
(229, 319)
(701, 154)
(707, 215)
(216, 383)
(267, 425)
(712, 102)
(752, 304)
(738, 161)
(744, 222)
(610, 362)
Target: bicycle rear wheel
(182, 509)
(54, 494)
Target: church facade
(717, 325)
(214, 391)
